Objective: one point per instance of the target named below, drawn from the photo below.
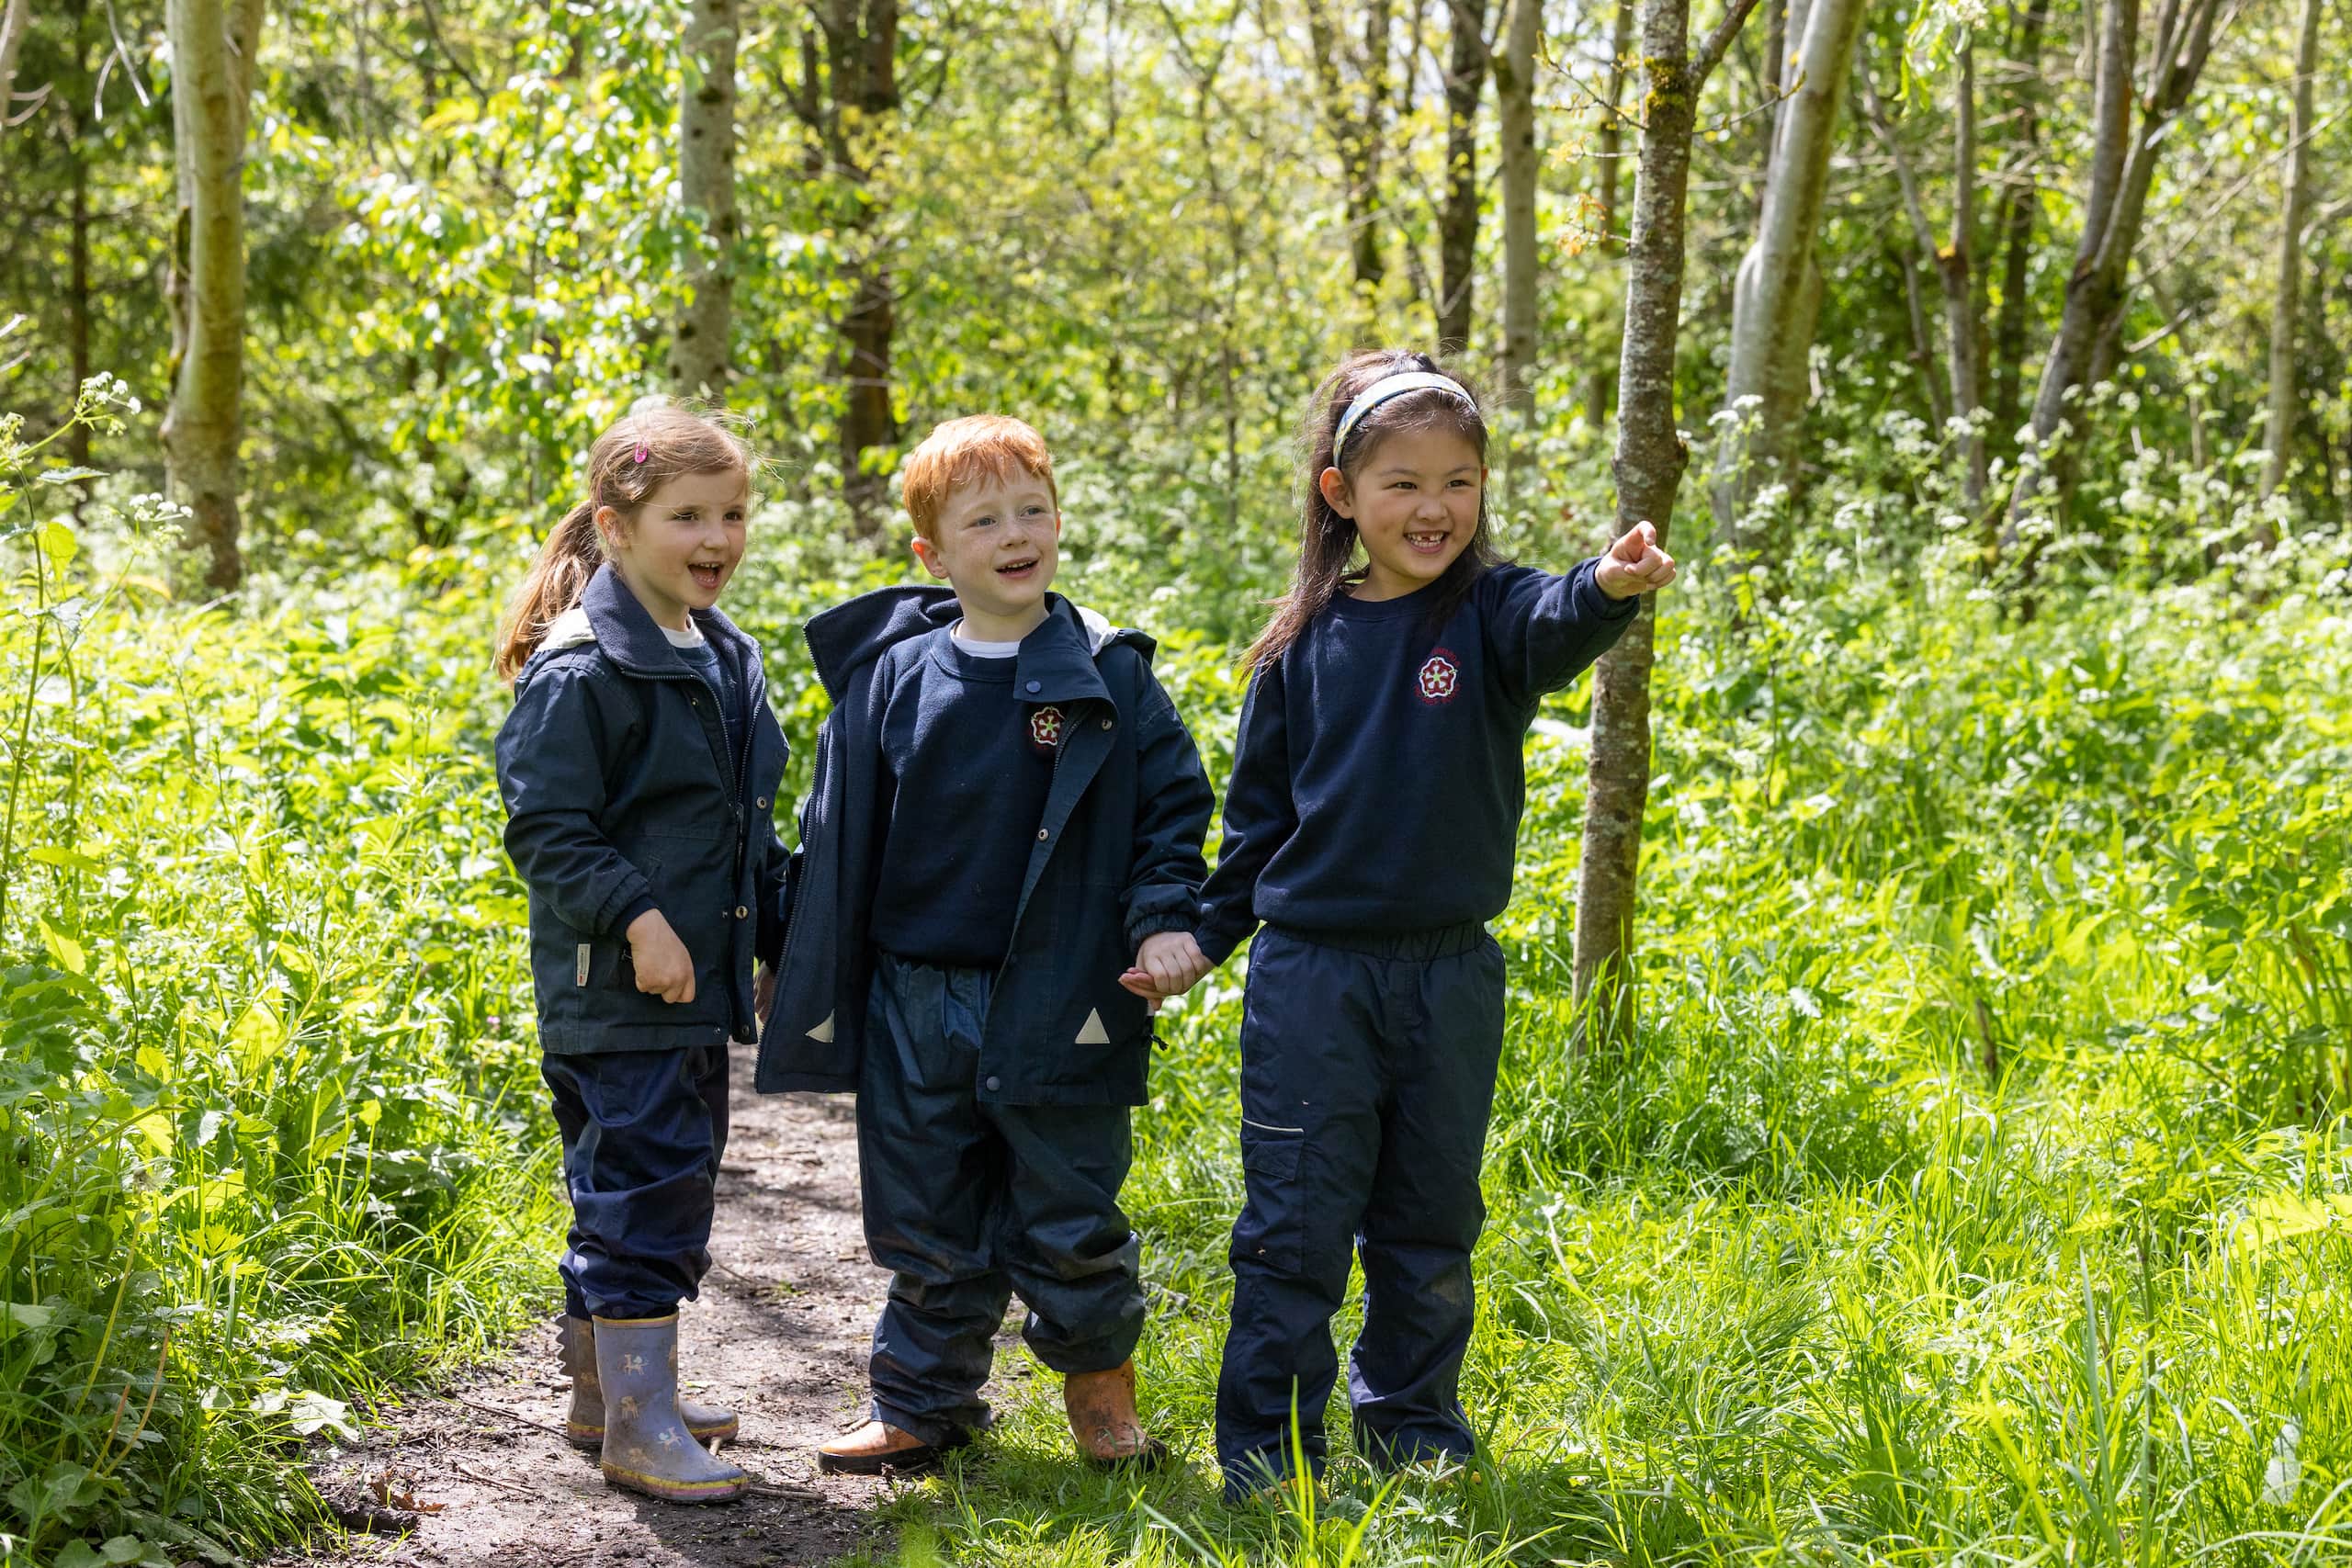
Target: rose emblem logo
(1440, 677)
(1045, 729)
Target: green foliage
(273, 1138)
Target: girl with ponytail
(639, 768)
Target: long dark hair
(1327, 541)
(637, 456)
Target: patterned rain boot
(647, 1447)
(1101, 1408)
(576, 1348)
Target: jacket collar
(628, 633)
(1060, 655)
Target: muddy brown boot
(584, 1424)
(876, 1447)
(647, 1448)
(1102, 1407)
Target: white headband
(1389, 386)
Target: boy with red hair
(999, 867)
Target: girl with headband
(1370, 822)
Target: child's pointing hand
(1635, 564)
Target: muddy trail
(779, 1335)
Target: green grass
(1976, 1188)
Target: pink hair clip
(642, 453)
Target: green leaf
(58, 546)
(64, 949)
(25, 1315)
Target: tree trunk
(1515, 104)
(2019, 207)
(213, 44)
(1960, 396)
(1465, 81)
(2287, 300)
(16, 21)
(1777, 297)
(2123, 167)
(1358, 133)
(1648, 465)
(699, 359)
(1602, 384)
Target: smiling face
(1414, 500)
(683, 544)
(997, 541)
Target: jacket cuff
(1144, 926)
(1600, 606)
(630, 911)
(1218, 946)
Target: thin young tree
(1521, 165)
(1952, 259)
(1648, 463)
(16, 21)
(1776, 300)
(847, 97)
(1602, 379)
(700, 357)
(2126, 150)
(213, 45)
(2286, 306)
(1356, 111)
(1467, 53)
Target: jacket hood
(609, 615)
(850, 635)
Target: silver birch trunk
(2286, 299)
(1776, 299)
(15, 23)
(213, 43)
(1515, 103)
(2123, 167)
(1648, 463)
(699, 359)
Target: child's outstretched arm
(1543, 631)
(1161, 902)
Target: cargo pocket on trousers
(1270, 1233)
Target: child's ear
(1336, 494)
(610, 529)
(928, 553)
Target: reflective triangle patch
(823, 1033)
(1094, 1034)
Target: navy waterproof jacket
(621, 796)
(1117, 858)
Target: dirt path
(779, 1335)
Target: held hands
(1168, 964)
(1635, 564)
(664, 967)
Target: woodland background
(1922, 1133)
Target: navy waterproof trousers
(1367, 1071)
(642, 1135)
(968, 1201)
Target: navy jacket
(1117, 858)
(621, 796)
(1379, 775)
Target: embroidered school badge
(1045, 729)
(1438, 679)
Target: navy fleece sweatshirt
(969, 766)
(1378, 779)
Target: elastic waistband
(1436, 942)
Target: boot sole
(677, 1491)
(594, 1436)
(1153, 1455)
(926, 1456)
